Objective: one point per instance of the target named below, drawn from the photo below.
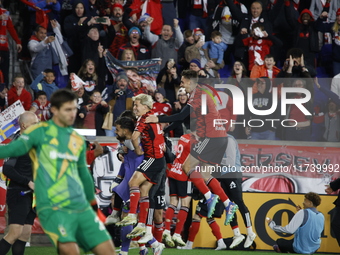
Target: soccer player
(19, 207)
(231, 182)
(148, 172)
(180, 187)
(63, 185)
(211, 145)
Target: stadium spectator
(119, 98)
(93, 41)
(239, 78)
(305, 33)
(3, 97)
(41, 106)
(78, 188)
(188, 41)
(166, 46)
(82, 99)
(169, 79)
(182, 100)
(259, 43)
(75, 26)
(268, 69)
(196, 52)
(21, 215)
(141, 51)
(306, 225)
(161, 106)
(7, 26)
(42, 53)
(45, 82)
(18, 92)
(195, 65)
(255, 16)
(229, 16)
(295, 66)
(334, 29)
(93, 76)
(121, 31)
(214, 52)
(300, 130)
(128, 55)
(96, 110)
(262, 100)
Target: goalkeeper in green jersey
(63, 185)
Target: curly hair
(314, 198)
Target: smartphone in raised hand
(100, 20)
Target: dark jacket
(324, 27)
(264, 102)
(19, 171)
(305, 36)
(335, 185)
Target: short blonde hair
(144, 99)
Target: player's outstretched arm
(16, 148)
(85, 176)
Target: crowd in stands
(259, 46)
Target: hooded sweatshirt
(263, 102)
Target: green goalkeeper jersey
(62, 179)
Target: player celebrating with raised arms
(211, 145)
(63, 185)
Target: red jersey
(183, 151)
(7, 26)
(162, 108)
(152, 138)
(261, 46)
(205, 126)
(25, 97)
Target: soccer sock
(18, 248)
(195, 226)
(117, 203)
(125, 241)
(168, 216)
(249, 230)
(149, 221)
(134, 199)
(153, 242)
(144, 207)
(197, 179)
(215, 228)
(236, 231)
(4, 246)
(181, 217)
(158, 231)
(216, 188)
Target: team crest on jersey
(54, 141)
(232, 185)
(62, 230)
